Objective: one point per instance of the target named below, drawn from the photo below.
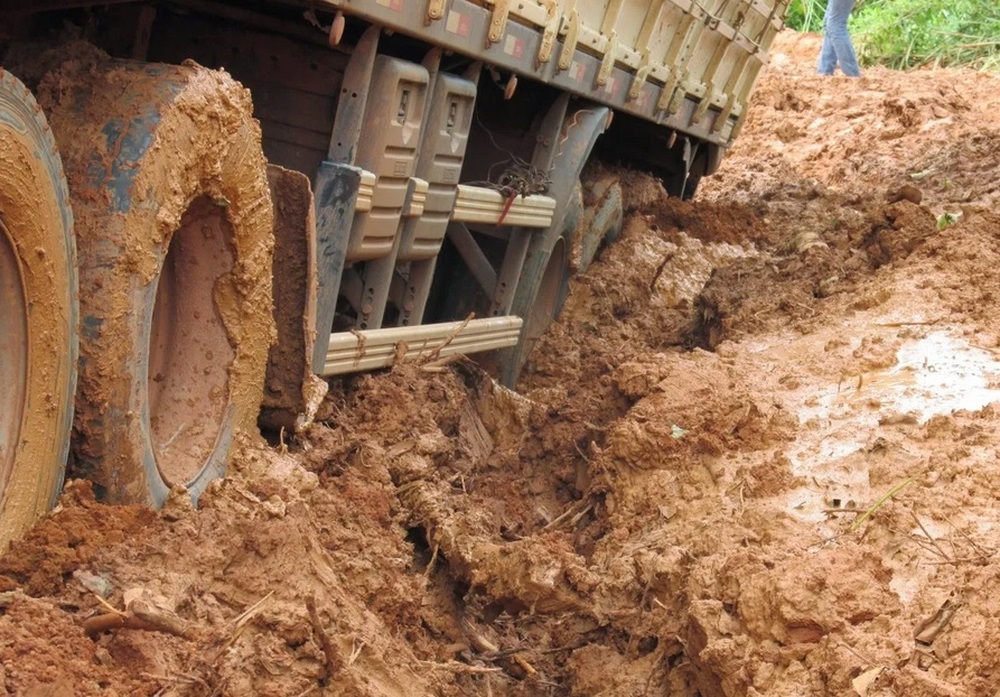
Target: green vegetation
(913, 33)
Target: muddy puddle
(931, 374)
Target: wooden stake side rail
(350, 352)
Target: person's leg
(837, 14)
(828, 55)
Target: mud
(754, 457)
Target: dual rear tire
(175, 236)
(172, 241)
(38, 313)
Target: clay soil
(755, 456)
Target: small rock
(95, 583)
(177, 505)
(275, 507)
(907, 192)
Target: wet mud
(755, 456)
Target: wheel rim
(189, 351)
(13, 354)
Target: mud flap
(291, 392)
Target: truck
(208, 209)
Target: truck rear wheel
(602, 218)
(542, 289)
(174, 225)
(38, 313)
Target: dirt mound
(754, 457)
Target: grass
(878, 504)
(905, 34)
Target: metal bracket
(777, 11)
(608, 61)
(569, 43)
(549, 32)
(435, 10)
(668, 91)
(498, 21)
(723, 117)
(641, 75)
(704, 104)
(336, 188)
(353, 99)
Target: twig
(450, 338)
(430, 565)
(860, 655)
(180, 678)
(459, 667)
(111, 608)
(438, 366)
(355, 652)
(579, 508)
(985, 554)
(143, 619)
(240, 623)
(963, 560)
(252, 610)
(484, 645)
(333, 663)
(932, 540)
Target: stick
(147, 620)
(240, 623)
(580, 506)
(430, 565)
(450, 338)
(437, 366)
(111, 608)
(252, 610)
(933, 541)
(484, 645)
(975, 546)
(458, 667)
(333, 662)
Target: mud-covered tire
(541, 289)
(174, 230)
(38, 313)
(601, 221)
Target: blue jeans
(837, 46)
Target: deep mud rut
(754, 457)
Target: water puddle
(934, 375)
